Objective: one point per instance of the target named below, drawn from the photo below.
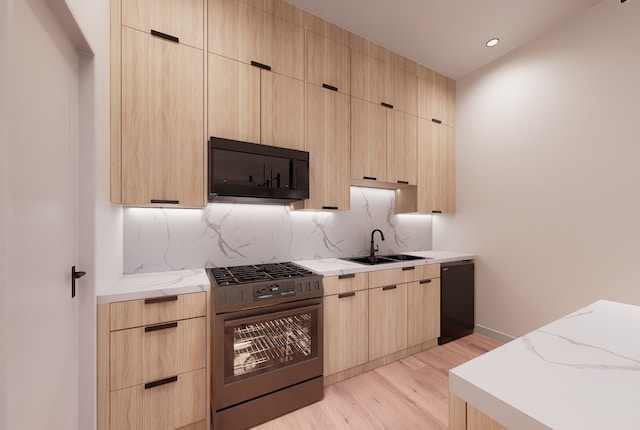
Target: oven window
(269, 343)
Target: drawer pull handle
(161, 327)
(425, 281)
(370, 178)
(260, 65)
(160, 382)
(330, 87)
(165, 36)
(389, 287)
(409, 268)
(387, 105)
(347, 276)
(403, 182)
(436, 212)
(437, 121)
(166, 202)
(342, 296)
(160, 299)
(332, 208)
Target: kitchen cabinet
(328, 63)
(423, 311)
(345, 322)
(384, 144)
(249, 34)
(436, 97)
(251, 104)
(152, 363)
(157, 104)
(436, 168)
(388, 321)
(328, 146)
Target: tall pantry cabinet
(157, 103)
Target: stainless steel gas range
(267, 346)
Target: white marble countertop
(336, 266)
(579, 372)
(148, 285)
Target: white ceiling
(448, 36)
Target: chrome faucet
(374, 248)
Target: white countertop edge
(498, 410)
(155, 284)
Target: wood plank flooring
(412, 393)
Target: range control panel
(271, 291)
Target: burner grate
(255, 273)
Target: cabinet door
(368, 140)
(345, 331)
(360, 75)
(281, 111)
(437, 175)
(409, 93)
(423, 311)
(286, 55)
(234, 100)
(328, 146)
(344, 283)
(327, 63)
(388, 322)
(162, 121)
(436, 97)
(183, 19)
(402, 149)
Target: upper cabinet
(437, 172)
(436, 97)
(157, 103)
(254, 36)
(328, 63)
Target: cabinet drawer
(381, 278)
(136, 313)
(171, 405)
(427, 271)
(143, 354)
(344, 283)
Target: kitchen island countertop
(579, 372)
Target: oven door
(263, 350)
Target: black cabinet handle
(370, 178)
(389, 287)
(330, 87)
(347, 276)
(387, 105)
(165, 36)
(436, 212)
(333, 208)
(161, 327)
(403, 182)
(166, 202)
(160, 382)
(160, 299)
(260, 65)
(409, 268)
(437, 121)
(344, 295)
(425, 281)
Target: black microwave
(253, 173)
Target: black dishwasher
(456, 300)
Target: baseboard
(493, 334)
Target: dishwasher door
(457, 288)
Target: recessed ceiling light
(493, 42)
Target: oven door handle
(260, 317)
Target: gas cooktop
(235, 275)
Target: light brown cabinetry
(436, 97)
(388, 320)
(423, 311)
(328, 146)
(346, 321)
(152, 364)
(328, 63)
(437, 168)
(157, 102)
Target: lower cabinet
(423, 311)
(388, 322)
(152, 364)
(346, 334)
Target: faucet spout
(374, 248)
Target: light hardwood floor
(411, 393)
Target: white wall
(548, 152)
(3, 198)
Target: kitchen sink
(384, 259)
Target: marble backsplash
(228, 234)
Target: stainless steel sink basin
(384, 259)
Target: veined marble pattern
(226, 234)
